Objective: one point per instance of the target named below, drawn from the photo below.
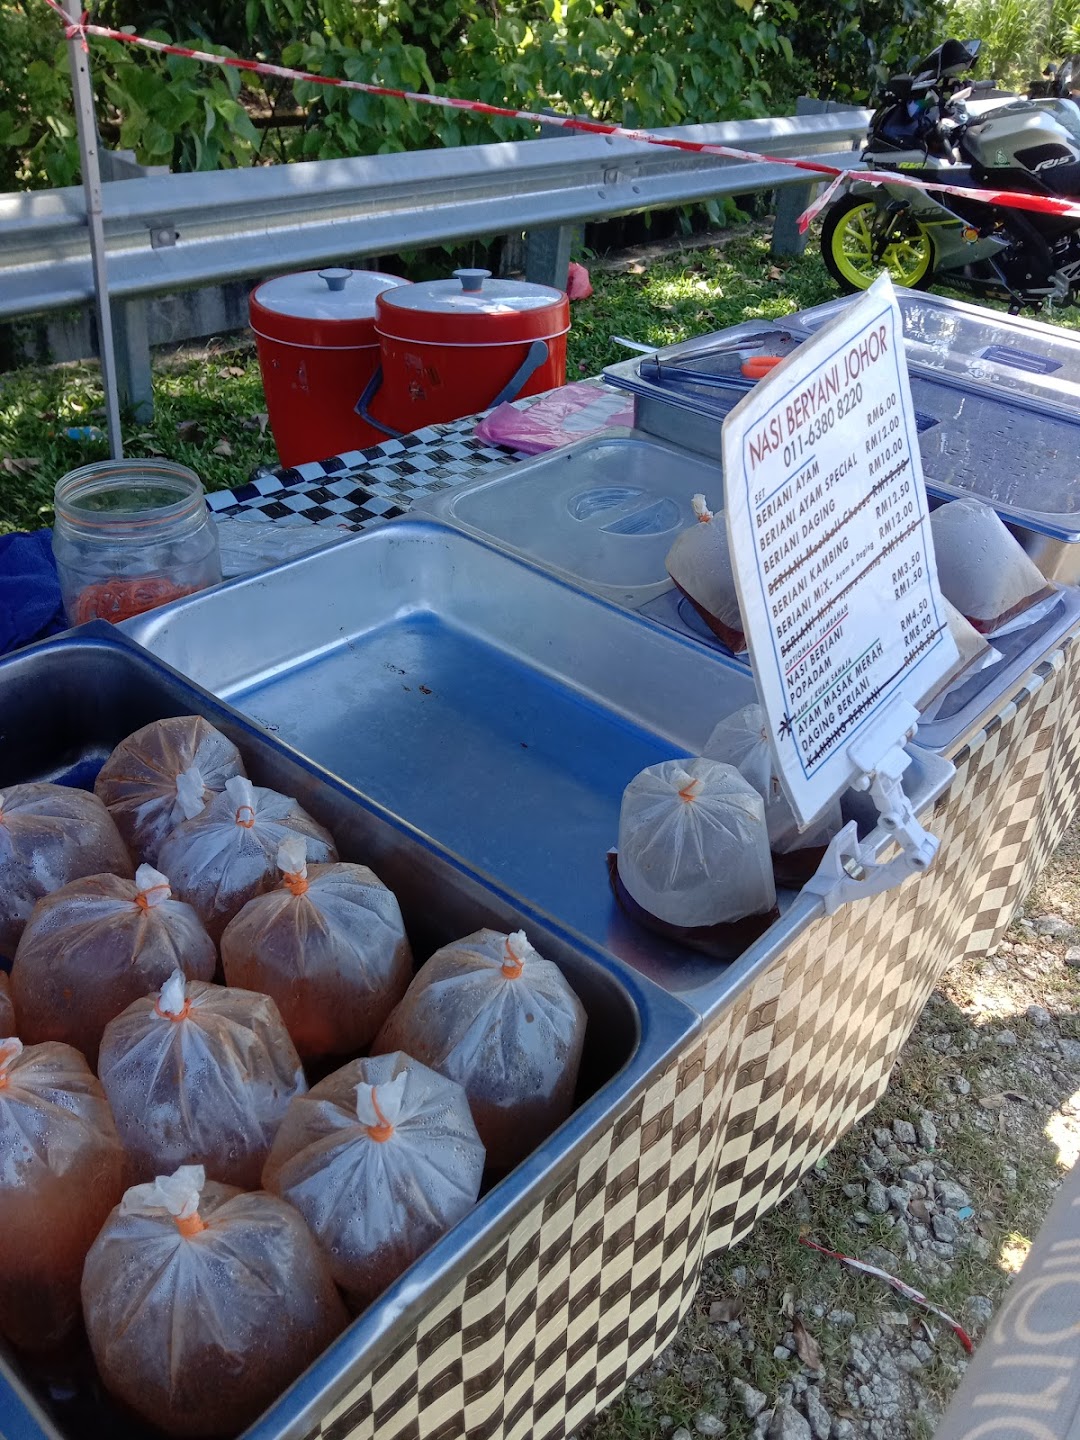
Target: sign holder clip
(849, 870)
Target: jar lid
(472, 308)
(331, 308)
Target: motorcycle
(923, 128)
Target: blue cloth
(30, 602)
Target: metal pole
(91, 176)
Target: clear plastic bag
(138, 780)
(329, 945)
(693, 845)
(700, 565)
(50, 834)
(983, 570)
(492, 1014)
(96, 945)
(202, 1303)
(742, 740)
(62, 1170)
(975, 654)
(380, 1158)
(225, 854)
(7, 1009)
(199, 1073)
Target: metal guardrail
(169, 232)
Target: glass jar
(130, 535)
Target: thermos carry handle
(535, 356)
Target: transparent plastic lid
(984, 348)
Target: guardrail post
(131, 331)
(792, 200)
(134, 370)
(547, 255)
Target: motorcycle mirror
(1051, 70)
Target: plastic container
(94, 946)
(454, 347)
(380, 1158)
(138, 781)
(50, 835)
(61, 1172)
(502, 1021)
(328, 945)
(199, 1074)
(130, 535)
(317, 346)
(203, 1303)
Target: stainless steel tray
(63, 706)
(498, 710)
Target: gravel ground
(943, 1184)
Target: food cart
(405, 684)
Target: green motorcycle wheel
(847, 247)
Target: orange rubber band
(168, 1015)
(121, 598)
(384, 1129)
(294, 883)
(190, 1225)
(687, 792)
(511, 966)
(245, 824)
(141, 900)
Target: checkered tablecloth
(360, 487)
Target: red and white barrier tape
(901, 1288)
(1041, 204)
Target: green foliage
(845, 49)
(37, 126)
(1015, 35)
(642, 62)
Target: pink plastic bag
(578, 284)
(202, 1304)
(138, 780)
(573, 412)
(225, 854)
(61, 1172)
(50, 834)
(380, 1158)
(492, 1014)
(329, 945)
(199, 1074)
(93, 947)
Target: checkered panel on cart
(1061, 794)
(799, 1082)
(354, 490)
(584, 1291)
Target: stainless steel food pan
(63, 706)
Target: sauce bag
(700, 565)
(199, 1073)
(50, 834)
(329, 945)
(62, 1170)
(138, 781)
(693, 844)
(380, 1158)
(202, 1303)
(492, 1014)
(96, 945)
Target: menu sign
(830, 541)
